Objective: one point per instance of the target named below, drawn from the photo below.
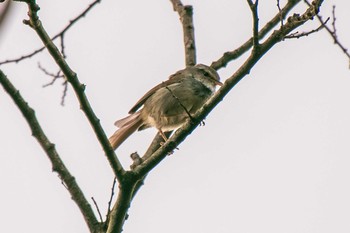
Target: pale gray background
(273, 156)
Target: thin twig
(119, 212)
(64, 93)
(333, 21)
(280, 11)
(332, 32)
(63, 47)
(232, 55)
(58, 35)
(98, 209)
(111, 198)
(297, 35)
(23, 57)
(54, 78)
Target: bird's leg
(163, 135)
(165, 139)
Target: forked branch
(57, 164)
(78, 87)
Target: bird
(168, 105)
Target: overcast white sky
(273, 157)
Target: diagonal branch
(332, 32)
(78, 87)
(58, 35)
(50, 150)
(232, 55)
(297, 35)
(180, 135)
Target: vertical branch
(50, 150)
(254, 9)
(120, 209)
(280, 11)
(186, 17)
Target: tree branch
(254, 10)
(58, 35)
(186, 18)
(332, 32)
(297, 35)
(118, 215)
(131, 181)
(78, 87)
(50, 150)
(131, 184)
(232, 55)
(180, 135)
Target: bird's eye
(206, 73)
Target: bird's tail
(127, 126)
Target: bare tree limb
(97, 208)
(297, 35)
(50, 150)
(129, 187)
(186, 18)
(131, 181)
(254, 10)
(56, 76)
(332, 32)
(180, 135)
(78, 87)
(58, 35)
(118, 215)
(111, 198)
(229, 56)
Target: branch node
(137, 160)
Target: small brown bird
(168, 105)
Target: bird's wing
(175, 78)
